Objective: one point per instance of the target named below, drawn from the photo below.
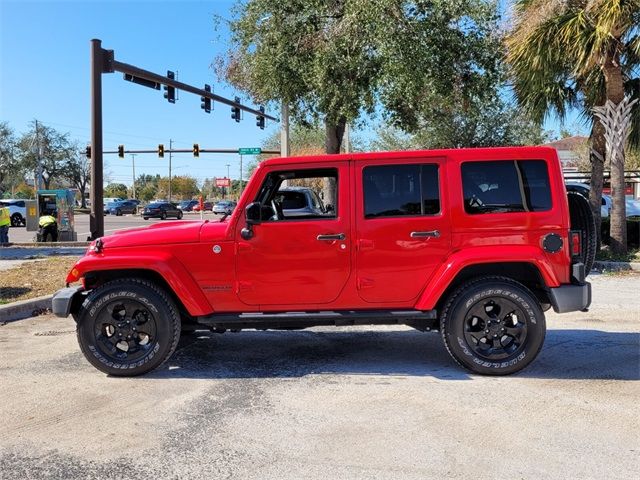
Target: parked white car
(633, 206)
(17, 211)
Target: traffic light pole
(96, 217)
(103, 61)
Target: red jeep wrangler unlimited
(475, 243)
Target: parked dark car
(187, 205)
(161, 210)
(121, 207)
(224, 207)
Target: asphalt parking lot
(112, 224)
(350, 403)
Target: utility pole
(284, 130)
(133, 165)
(170, 148)
(38, 179)
(241, 185)
(229, 177)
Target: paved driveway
(351, 403)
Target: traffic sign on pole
(250, 151)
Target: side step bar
(422, 320)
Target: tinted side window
(398, 190)
(505, 186)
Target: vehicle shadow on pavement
(567, 354)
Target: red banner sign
(223, 182)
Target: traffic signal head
(170, 92)
(121, 151)
(235, 111)
(260, 119)
(161, 151)
(88, 151)
(206, 102)
(196, 150)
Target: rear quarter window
(506, 186)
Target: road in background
(112, 224)
(349, 403)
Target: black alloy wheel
(128, 327)
(163, 216)
(493, 326)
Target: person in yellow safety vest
(48, 228)
(5, 221)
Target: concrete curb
(616, 266)
(45, 245)
(25, 308)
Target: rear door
(403, 233)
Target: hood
(163, 233)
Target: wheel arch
(188, 306)
(528, 273)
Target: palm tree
(579, 54)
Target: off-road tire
(454, 321)
(94, 310)
(17, 220)
(582, 219)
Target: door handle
(331, 237)
(429, 234)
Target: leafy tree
(580, 54)
(54, 148)
(334, 61)
(78, 172)
(183, 187)
(147, 192)
(117, 190)
(9, 166)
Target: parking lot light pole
(229, 177)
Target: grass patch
(607, 255)
(34, 279)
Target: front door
(402, 232)
(296, 258)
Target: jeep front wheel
(493, 326)
(128, 327)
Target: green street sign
(250, 151)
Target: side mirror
(329, 208)
(252, 213)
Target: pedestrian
(5, 221)
(48, 231)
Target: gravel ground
(384, 402)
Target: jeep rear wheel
(128, 327)
(493, 326)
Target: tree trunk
(615, 92)
(597, 155)
(333, 142)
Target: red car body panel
(377, 266)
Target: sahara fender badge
(217, 249)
